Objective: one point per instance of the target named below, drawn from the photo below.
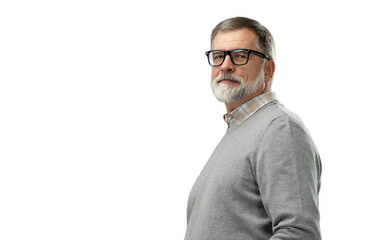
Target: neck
(233, 105)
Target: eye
(217, 56)
(239, 55)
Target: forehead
(241, 38)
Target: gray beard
(226, 93)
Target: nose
(227, 65)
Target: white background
(107, 116)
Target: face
(231, 83)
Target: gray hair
(265, 41)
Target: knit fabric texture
(261, 182)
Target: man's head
(238, 78)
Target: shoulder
(273, 117)
(286, 143)
(280, 129)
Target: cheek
(249, 76)
(214, 73)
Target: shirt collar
(247, 109)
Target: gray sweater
(261, 182)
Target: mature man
(263, 179)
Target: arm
(287, 169)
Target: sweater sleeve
(287, 167)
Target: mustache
(228, 76)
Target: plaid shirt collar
(247, 109)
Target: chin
(228, 94)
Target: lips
(227, 81)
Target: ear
(269, 69)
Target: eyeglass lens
(238, 57)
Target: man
(263, 179)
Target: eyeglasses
(238, 56)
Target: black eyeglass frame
(260, 54)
